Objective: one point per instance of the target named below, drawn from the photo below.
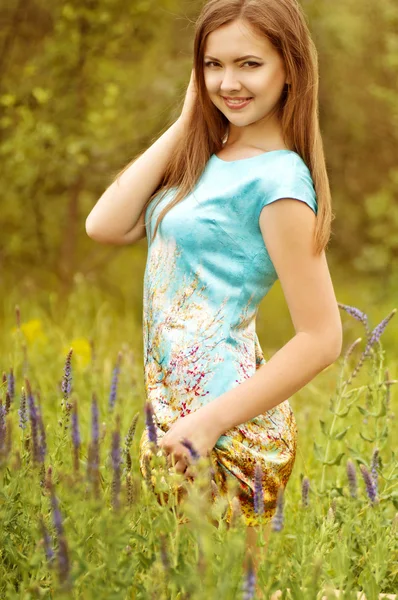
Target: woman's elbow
(334, 346)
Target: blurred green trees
(86, 85)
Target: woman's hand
(200, 432)
(190, 99)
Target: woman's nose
(229, 81)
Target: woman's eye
(248, 62)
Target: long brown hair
(284, 24)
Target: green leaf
(323, 427)
(335, 461)
(371, 440)
(380, 413)
(341, 434)
(343, 413)
(363, 410)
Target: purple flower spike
(373, 469)
(258, 490)
(11, 384)
(75, 428)
(22, 412)
(94, 420)
(42, 444)
(370, 488)
(66, 385)
(3, 428)
(57, 519)
(377, 332)
(305, 491)
(150, 424)
(277, 520)
(356, 313)
(47, 543)
(352, 479)
(114, 384)
(193, 452)
(250, 581)
(34, 425)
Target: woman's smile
(236, 102)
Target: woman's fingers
(190, 473)
(180, 466)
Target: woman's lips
(237, 105)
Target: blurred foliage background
(85, 85)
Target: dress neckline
(250, 157)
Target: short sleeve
(289, 179)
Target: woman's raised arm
(118, 216)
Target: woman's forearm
(289, 369)
(120, 206)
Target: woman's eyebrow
(236, 59)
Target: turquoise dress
(207, 271)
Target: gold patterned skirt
(269, 440)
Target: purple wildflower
(192, 450)
(75, 427)
(23, 418)
(277, 519)
(8, 402)
(373, 469)
(249, 583)
(93, 450)
(76, 441)
(63, 558)
(57, 518)
(42, 445)
(149, 419)
(258, 494)
(370, 488)
(11, 384)
(357, 314)
(33, 415)
(379, 329)
(373, 338)
(352, 478)
(115, 376)
(94, 419)
(49, 552)
(66, 385)
(305, 491)
(3, 428)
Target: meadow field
(86, 86)
(80, 521)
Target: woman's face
(260, 75)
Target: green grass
(125, 544)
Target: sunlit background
(86, 85)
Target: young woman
(233, 196)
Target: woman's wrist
(212, 419)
